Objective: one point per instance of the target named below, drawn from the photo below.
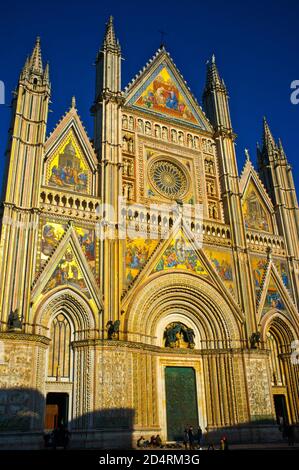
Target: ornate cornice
(112, 345)
(20, 336)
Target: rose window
(168, 179)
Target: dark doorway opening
(56, 410)
(181, 401)
(281, 410)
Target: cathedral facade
(146, 285)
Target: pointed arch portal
(67, 319)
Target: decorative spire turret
(46, 76)
(215, 98)
(281, 151)
(246, 151)
(268, 139)
(110, 41)
(110, 38)
(33, 67)
(26, 68)
(36, 64)
(108, 81)
(26, 153)
(213, 78)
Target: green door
(181, 401)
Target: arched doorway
(59, 372)
(193, 304)
(278, 335)
(67, 319)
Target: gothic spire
(213, 77)
(110, 40)
(268, 139)
(215, 99)
(36, 64)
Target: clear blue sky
(256, 48)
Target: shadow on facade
(104, 429)
(259, 431)
(22, 417)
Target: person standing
(199, 436)
(223, 443)
(186, 438)
(191, 438)
(290, 435)
(209, 442)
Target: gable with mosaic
(162, 94)
(67, 168)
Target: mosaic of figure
(273, 298)
(255, 215)
(283, 271)
(68, 170)
(51, 234)
(222, 262)
(180, 255)
(163, 95)
(136, 256)
(259, 266)
(67, 273)
(87, 241)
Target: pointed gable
(275, 294)
(273, 298)
(180, 254)
(162, 95)
(67, 266)
(160, 89)
(70, 160)
(182, 251)
(256, 214)
(51, 234)
(256, 204)
(67, 273)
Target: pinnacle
(268, 138)
(246, 151)
(213, 77)
(46, 76)
(281, 150)
(36, 58)
(110, 38)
